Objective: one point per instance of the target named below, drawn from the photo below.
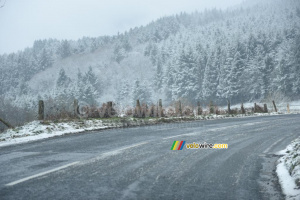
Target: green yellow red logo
(178, 145)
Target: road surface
(138, 163)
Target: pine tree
(210, 79)
(91, 78)
(235, 77)
(126, 45)
(169, 82)
(24, 88)
(296, 65)
(158, 80)
(282, 80)
(202, 59)
(65, 49)
(91, 87)
(45, 60)
(223, 88)
(79, 86)
(266, 71)
(123, 93)
(186, 77)
(154, 54)
(63, 80)
(141, 92)
(94, 45)
(119, 53)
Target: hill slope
(241, 54)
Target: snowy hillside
(242, 54)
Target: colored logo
(178, 145)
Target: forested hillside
(242, 54)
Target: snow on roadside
(288, 170)
(281, 107)
(36, 130)
(214, 116)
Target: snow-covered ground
(288, 170)
(37, 130)
(294, 106)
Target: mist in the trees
(241, 55)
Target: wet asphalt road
(137, 163)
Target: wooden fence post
(155, 111)
(179, 109)
(138, 108)
(274, 106)
(160, 112)
(243, 109)
(144, 110)
(228, 107)
(199, 110)
(265, 108)
(211, 108)
(41, 110)
(76, 107)
(288, 108)
(6, 123)
(109, 108)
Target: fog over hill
(242, 54)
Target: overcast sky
(23, 21)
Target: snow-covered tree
(158, 80)
(186, 77)
(210, 79)
(141, 92)
(63, 80)
(45, 60)
(65, 49)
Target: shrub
(188, 111)
(170, 111)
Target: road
(137, 163)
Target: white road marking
(117, 151)
(247, 124)
(41, 174)
(103, 155)
(187, 134)
(163, 129)
(112, 153)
